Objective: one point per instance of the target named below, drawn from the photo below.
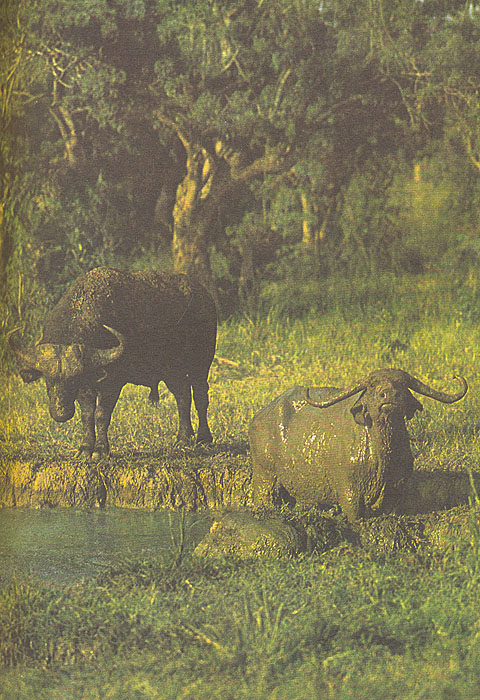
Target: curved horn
(345, 394)
(28, 358)
(424, 390)
(105, 357)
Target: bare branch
(233, 59)
(474, 159)
(68, 132)
(275, 160)
(173, 125)
(278, 96)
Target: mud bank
(195, 481)
(248, 534)
(432, 506)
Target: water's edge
(65, 545)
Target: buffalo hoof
(98, 456)
(100, 451)
(84, 452)
(184, 440)
(204, 439)
(93, 453)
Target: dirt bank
(195, 482)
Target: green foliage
(99, 98)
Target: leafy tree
(429, 51)
(273, 95)
(11, 40)
(83, 155)
(130, 124)
(236, 83)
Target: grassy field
(351, 623)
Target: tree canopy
(231, 139)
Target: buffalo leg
(265, 489)
(87, 399)
(105, 405)
(351, 502)
(200, 396)
(180, 388)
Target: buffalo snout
(61, 400)
(61, 413)
(390, 408)
(395, 402)
(388, 401)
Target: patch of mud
(278, 535)
(242, 534)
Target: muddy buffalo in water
(328, 446)
(112, 328)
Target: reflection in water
(65, 545)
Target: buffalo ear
(30, 375)
(412, 407)
(360, 413)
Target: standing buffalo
(327, 446)
(112, 328)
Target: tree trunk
(210, 179)
(190, 248)
(193, 214)
(5, 241)
(309, 232)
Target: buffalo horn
(356, 389)
(105, 357)
(28, 358)
(421, 388)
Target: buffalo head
(65, 368)
(385, 396)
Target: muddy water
(67, 545)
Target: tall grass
(350, 623)
(424, 326)
(345, 625)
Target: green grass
(351, 623)
(346, 625)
